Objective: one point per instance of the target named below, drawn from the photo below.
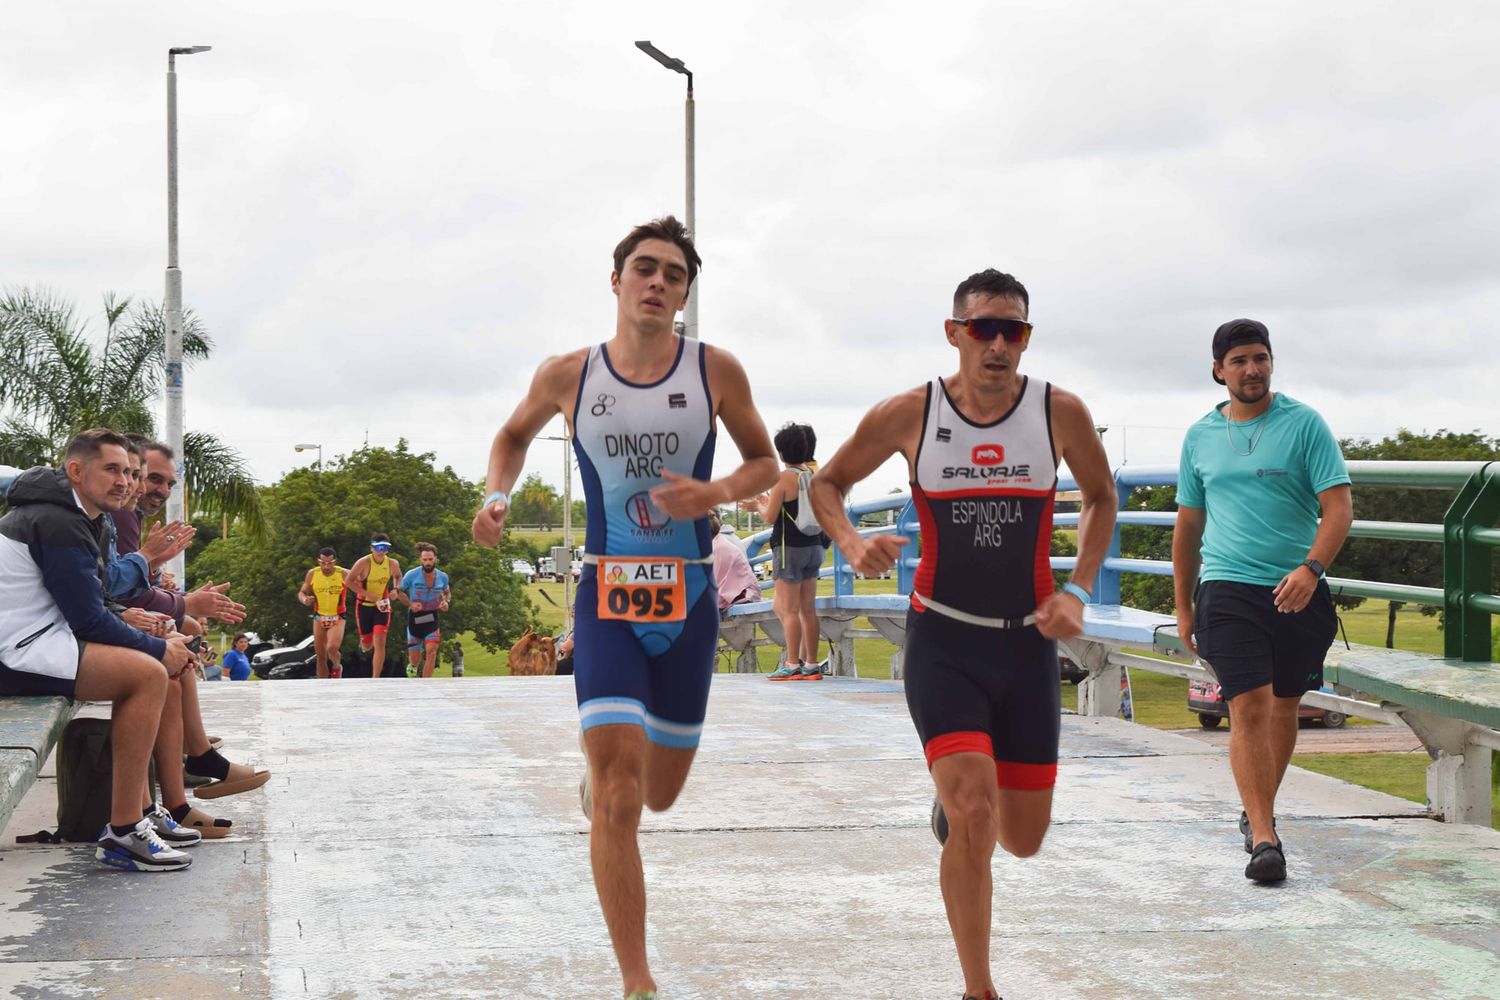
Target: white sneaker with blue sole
(139, 850)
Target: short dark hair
(666, 228)
(150, 444)
(328, 550)
(138, 442)
(991, 282)
(713, 523)
(427, 547)
(86, 446)
(796, 443)
(237, 637)
(379, 536)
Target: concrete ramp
(423, 839)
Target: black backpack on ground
(85, 777)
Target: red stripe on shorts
(951, 743)
(1025, 777)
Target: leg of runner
(320, 647)
(617, 755)
(966, 786)
(429, 652)
(335, 640)
(377, 654)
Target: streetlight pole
(300, 448)
(176, 503)
(690, 314)
(567, 524)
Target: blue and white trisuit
(647, 615)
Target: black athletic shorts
(1248, 644)
(985, 690)
(369, 618)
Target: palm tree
(55, 380)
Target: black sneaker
(1267, 863)
(1249, 838)
(939, 822)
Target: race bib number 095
(641, 589)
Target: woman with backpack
(797, 548)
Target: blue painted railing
(1468, 535)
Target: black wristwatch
(1315, 566)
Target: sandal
(241, 778)
(208, 826)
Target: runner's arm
(682, 496)
(306, 590)
(355, 581)
(892, 425)
(1083, 450)
(555, 381)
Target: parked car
(1205, 698)
(521, 567)
(1071, 671)
(262, 663)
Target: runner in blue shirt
(1248, 555)
(424, 590)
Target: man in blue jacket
(58, 638)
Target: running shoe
(139, 850)
(169, 830)
(786, 672)
(411, 670)
(939, 822)
(1267, 863)
(810, 672)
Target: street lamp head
(305, 447)
(188, 50)
(675, 65)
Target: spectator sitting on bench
(189, 734)
(57, 637)
(732, 572)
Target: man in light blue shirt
(1248, 558)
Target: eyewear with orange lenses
(986, 329)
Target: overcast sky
(390, 213)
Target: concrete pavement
(423, 839)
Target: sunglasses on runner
(986, 329)
(381, 546)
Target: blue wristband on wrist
(1083, 595)
(498, 495)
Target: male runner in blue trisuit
(425, 591)
(643, 410)
(982, 447)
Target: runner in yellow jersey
(371, 579)
(323, 591)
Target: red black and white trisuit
(979, 676)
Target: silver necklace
(1254, 441)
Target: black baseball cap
(1236, 333)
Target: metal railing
(1468, 535)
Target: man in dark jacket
(58, 638)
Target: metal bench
(29, 728)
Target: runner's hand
(489, 523)
(683, 497)
(1060, 616)
(305, 600)
(1185, 632)
(874, 554)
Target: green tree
(535, 502)
(1417, 564)
(1137, 541)
(57, 380)
(375, 489)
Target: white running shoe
(585, 785)
(139, 850)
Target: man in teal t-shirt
(1248, 557)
